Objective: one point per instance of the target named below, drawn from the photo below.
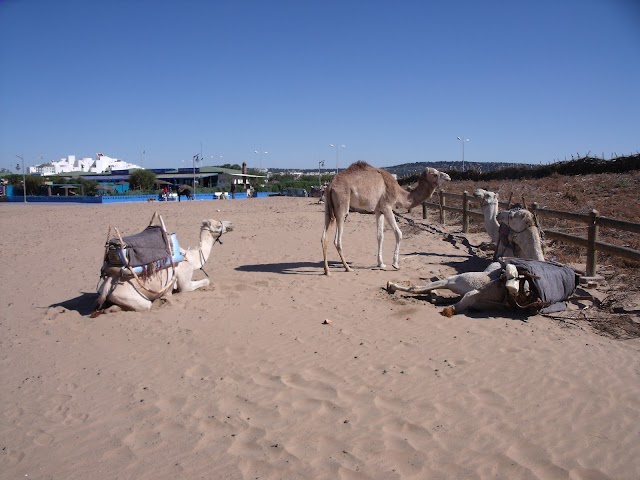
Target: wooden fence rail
(593, 221)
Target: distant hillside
(407, 169)
(503, 171)
(496, 170)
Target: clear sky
(395, 81)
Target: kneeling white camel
(129, 293)
(515, 232)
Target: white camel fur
(522, 241)
(124, 293)
(523, 238)
(366, 188)
(475, 287)
(489, 207)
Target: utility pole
(320, 164)
(24, 180)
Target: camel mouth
(227, 226)
(443, 177)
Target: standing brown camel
(362, 187)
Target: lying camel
(519, 235)
(475, 288)
(362, 187)
(127, 293)
(515, 232)
(515, 282)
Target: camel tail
(329, 212)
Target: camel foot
(396, 266)
(448, 312)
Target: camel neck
(419, 195)
(206, 243)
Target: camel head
(486, 197)
(517, 219)
(216, 227)
(434, 177)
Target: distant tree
(33, 183)
(230, 166)
(142, 179)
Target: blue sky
(395, 81)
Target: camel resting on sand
(365, 188)
(516, 282)
(475, 287)
(515, 232)
(127, 293)
(519, 235)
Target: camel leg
(184, 282)
(328, 220)
(394, 287)
(128, 298)
(467, 300)
(391, 220)
(380, 224)
(338, 241)
(193, 285)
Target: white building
(101, 164)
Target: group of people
(167, 191)
(250, 192)
(173, 192)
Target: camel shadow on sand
(84, 304)
(467, 264)
(286, 268)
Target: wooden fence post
(592, 238)
(424, 210)
(442, 204)
(465, 212)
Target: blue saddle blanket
(148, 248)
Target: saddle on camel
(139, 256)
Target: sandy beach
(242, 380)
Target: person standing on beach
(233, 189)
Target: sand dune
(243, 380)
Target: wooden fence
(593, 221)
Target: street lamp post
(463, 141)
(337, 147)
(24, 180)
(260, 154)
(196, 158)
(320, 164)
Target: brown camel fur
(362, 187)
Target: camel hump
(359, 166)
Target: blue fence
(114, 198)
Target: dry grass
(613, 195)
